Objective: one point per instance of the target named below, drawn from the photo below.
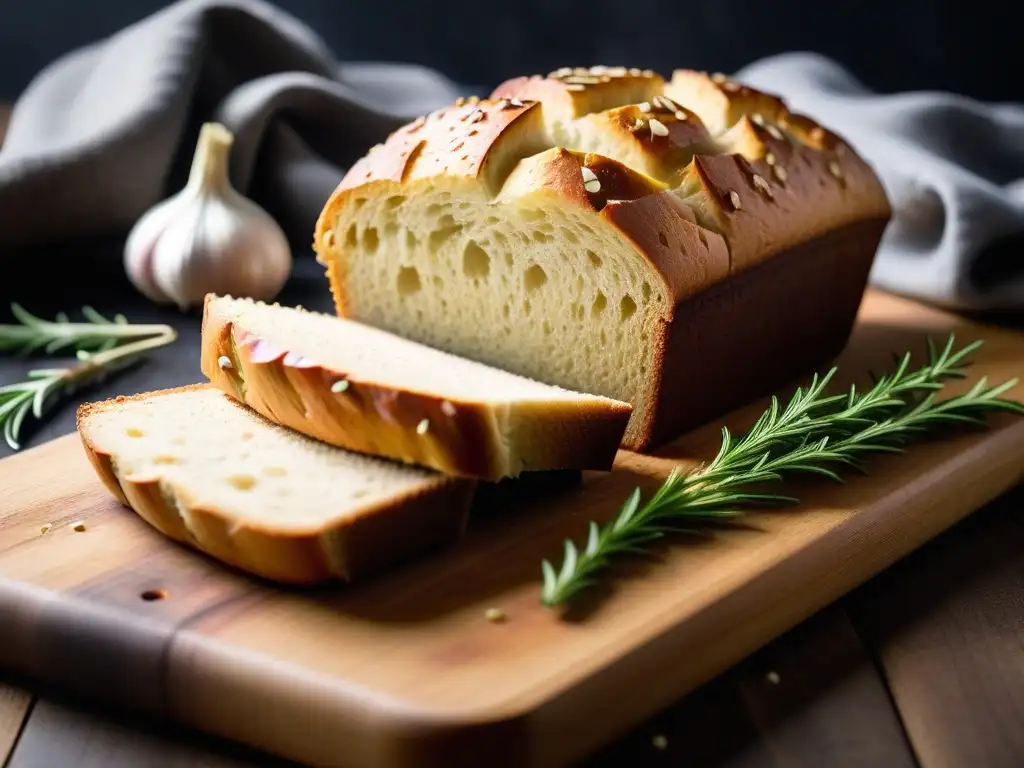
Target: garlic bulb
(208, 238)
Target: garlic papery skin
(208, 238)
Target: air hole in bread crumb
(532, 214)
(408, 281)
(351, 236)
(410, 240)
(646, 291)
(595, 260)
(506, 310)
(164, 459)
(360, 493)
(360, 202)
(390, 229)
(275, 471)
(475, 261)
(247, 436)
(242, 482)
(604, 338)
(441, 235)
(568, 235)
(600, 302)
(535, 277)
(371, 241)
(395, 200)
(434, 208)
(541, 237)
(491, 221)
(133, 432)
(500, 239)
(547, 328)
(527, 307)
(627, 307)
(579, 312)
(508, 256)
(663, 239)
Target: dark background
(971, 48)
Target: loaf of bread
(209, 472)
(682, 245)
(367, 390)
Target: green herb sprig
(102, 346)
(98, 334)
(815, 433)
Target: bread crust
(348, 548)
(463, 438)
(756, 181)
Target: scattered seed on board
(734, 198)
(494, 615)
(660, 742)
(590, 181)
(422, 427)
(224, 362)
(45, 529)
(339, 386)
(79, 526)
(773, 677)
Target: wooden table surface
(924, 665)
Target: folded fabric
(107, 131)
(953, 168)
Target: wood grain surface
(15, 704)
(406, 670)
(949, 629)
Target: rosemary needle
(815, 433)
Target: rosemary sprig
(43, 387)
(815, 433)
(98, 334)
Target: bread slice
(683, 245)
(208, 472)
(368, 390)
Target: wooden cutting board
(406, 671)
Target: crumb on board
(78, 526)
(45, 529)
(494, 615)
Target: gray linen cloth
(107, 131)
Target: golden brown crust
(349, 548)
(463, 438)
(572, 93)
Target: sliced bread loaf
(685, 245)
(367, 390)
(210, 473)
